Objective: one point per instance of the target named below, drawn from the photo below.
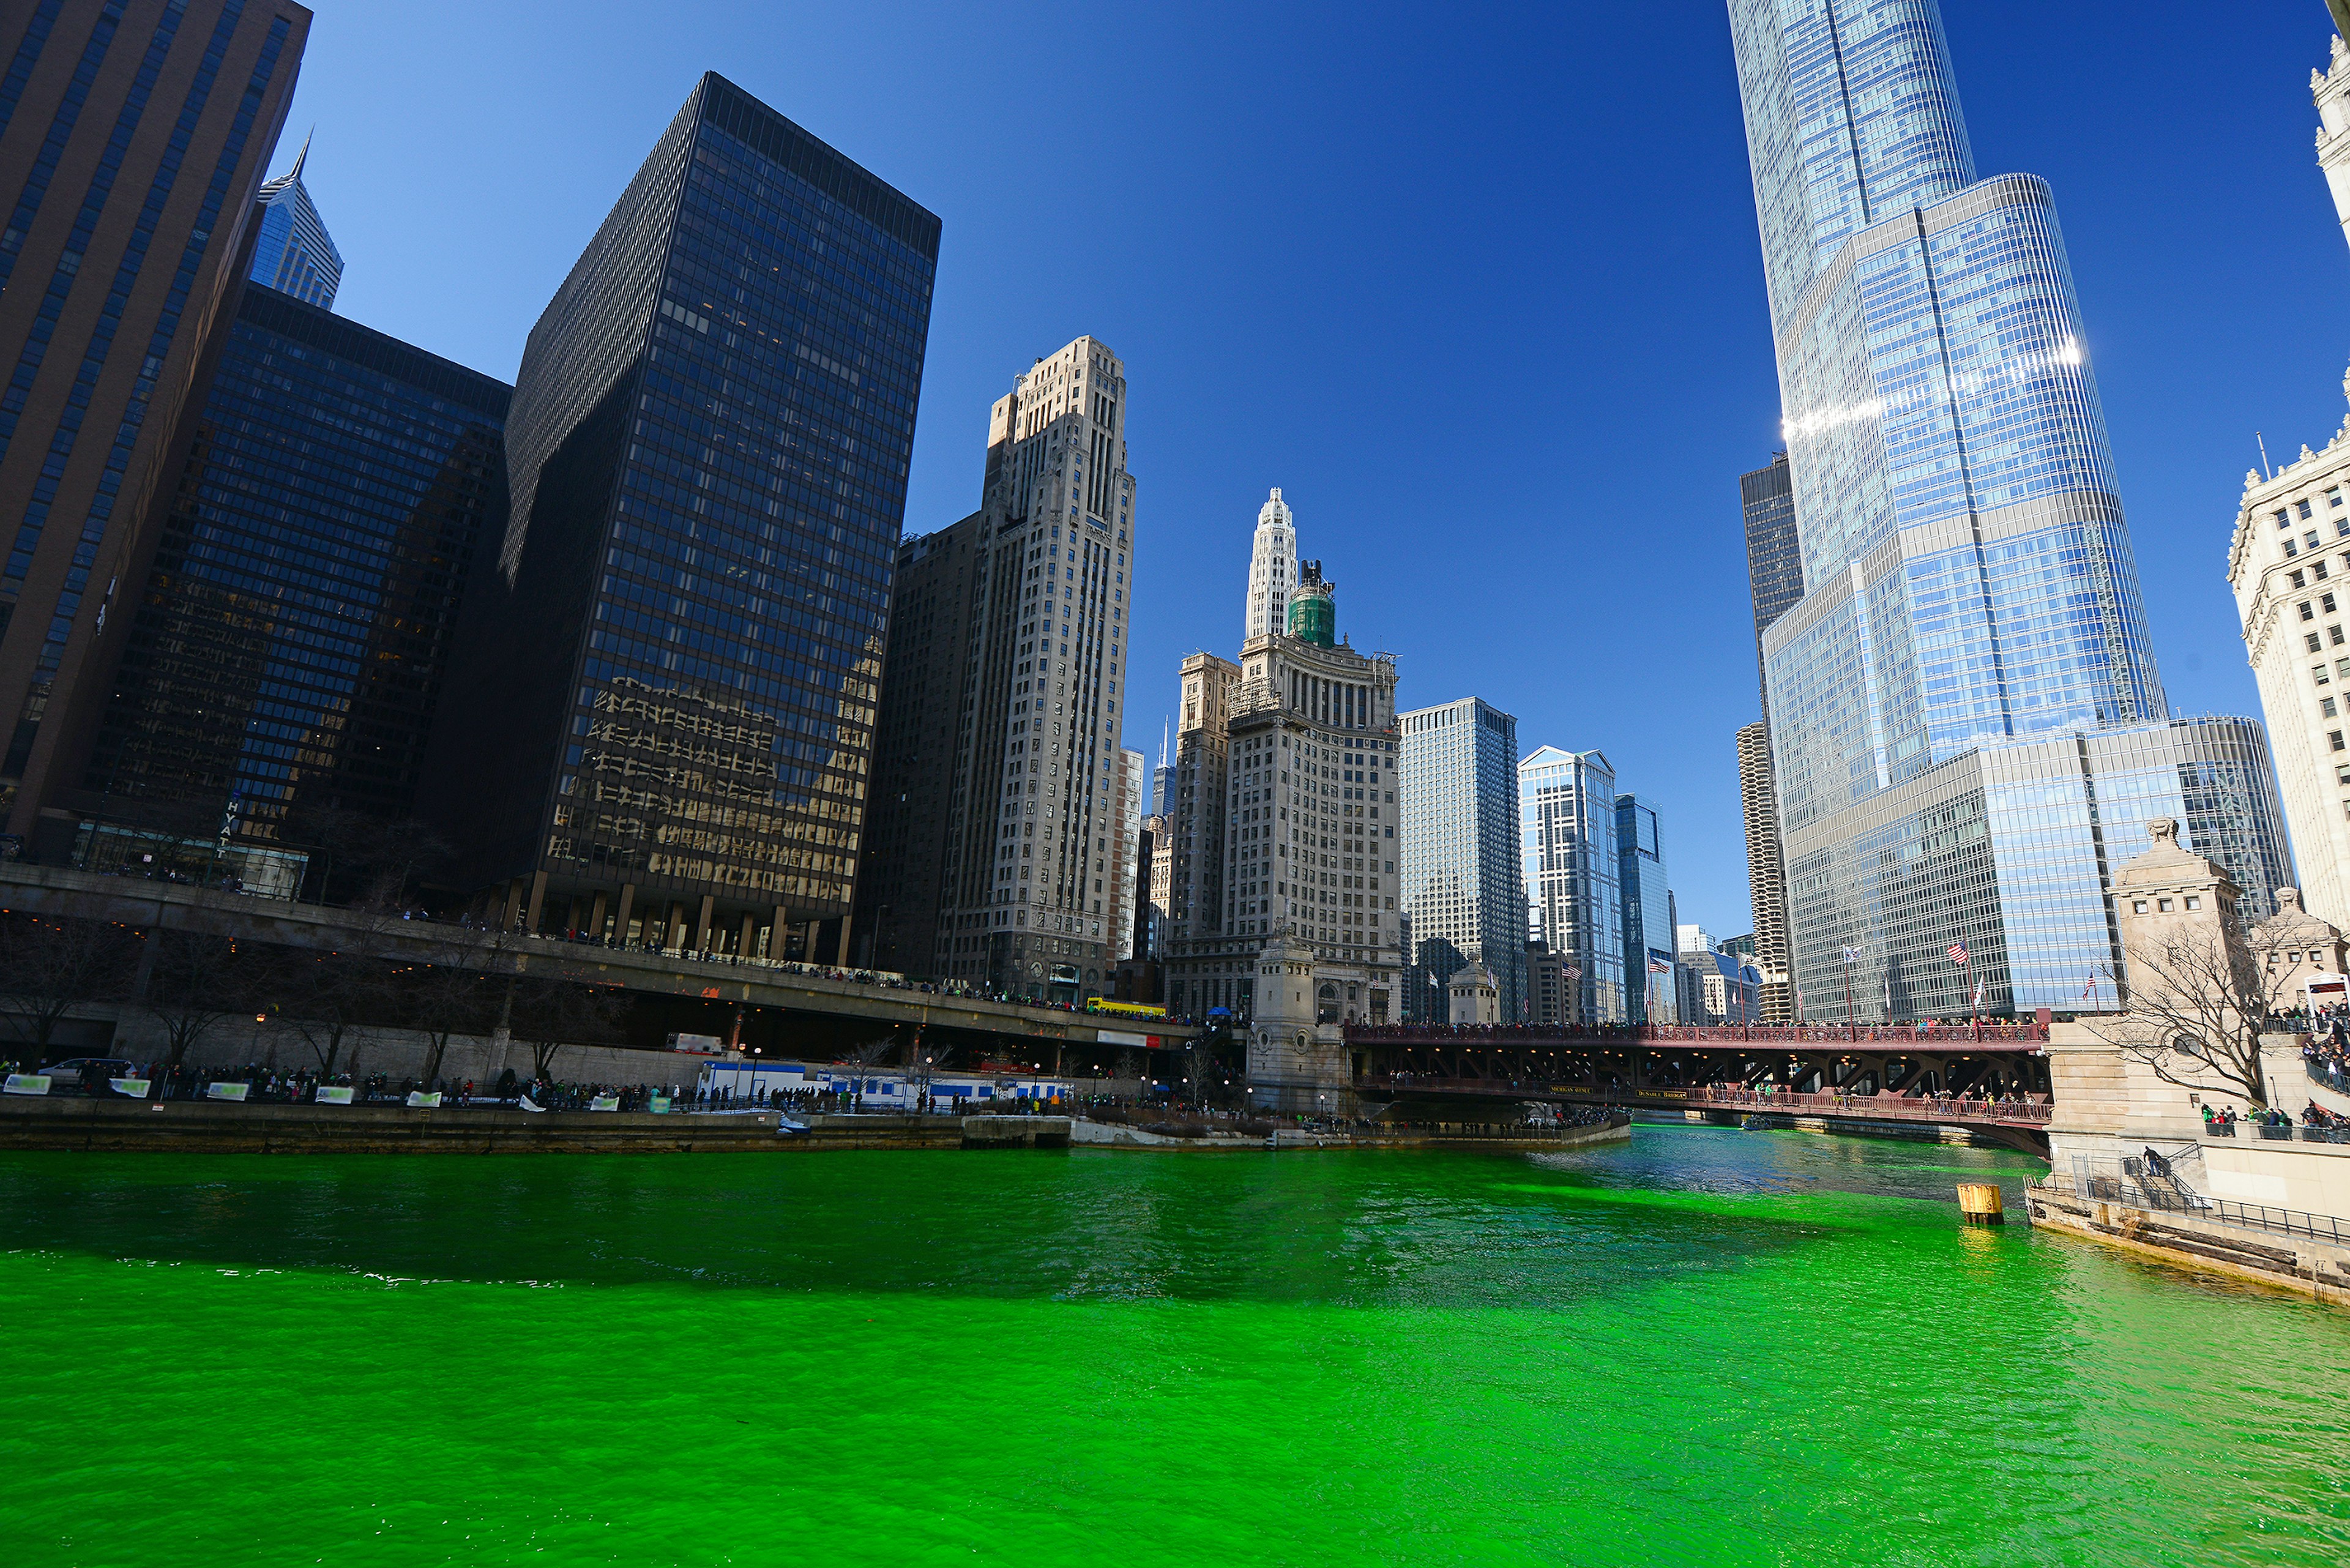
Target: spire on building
(1273, 570)
(295, 255)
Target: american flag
(1656, 967)
(1958, 952)
(2089, 990)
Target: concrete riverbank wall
(2312, 1266)
(201, 1127)
(204, 1127)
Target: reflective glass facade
(1464, 893)
(1774, 554)
(2010, 850)
(1649, 941)
(671, 678)
(292, 638)
(133, 141)
(1566, 809)
(1967, 577)
(294, 253)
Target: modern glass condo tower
(1967, 728)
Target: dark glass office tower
(662, 719)
(289, 646)
(1774, 552)
(133, 137)
(1774, 572)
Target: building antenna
(2264, 455)
(1165, 724)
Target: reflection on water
(1706, 1346)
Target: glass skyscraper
(1774, 554)
(291, 639)
(1572, 871)
(293, 254)
(664, 706)
(1650, 991)
(132, 140)
(1969, 589)
(1464, 893)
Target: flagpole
(1851, 1028)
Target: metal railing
(2327, 1074)
(1952, 1040)
(2288, 1132)
(1902, 1107)
(2031, 1113)
(2134, 1187)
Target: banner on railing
(333, 1093)
(424, 1101)
(660, 1105)
(604, 1102)
(131, 1088)
(528, 1104)
(227, 1091)
(28, 1083)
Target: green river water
(1708, 1346)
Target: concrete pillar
(778, 932)
(807, 942)
(674, 933)
(750, 934)
(702, 926)
(621, 919)
(511, 909)
(537, 900)
(596, 917)
(843, 959)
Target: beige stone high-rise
(131, 156)
(1002, 701)
(1285, 823)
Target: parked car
(85, 1071)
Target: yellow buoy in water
(1979, 1202)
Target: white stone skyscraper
(2330, 90)
(1273, 570)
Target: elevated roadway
(804, 989)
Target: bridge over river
(1991, 1078)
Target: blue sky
(1477, 286)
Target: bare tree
(439, 1000)
(870, 1053)
(2197, 1001)
(195, 983)
(548, 1014)
(324, 996)
(50, 965)
(1199, 1067)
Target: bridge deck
(2029, 1112)
(1873, 1039)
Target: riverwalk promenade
(206, 1127)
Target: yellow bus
(1123, 1009)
